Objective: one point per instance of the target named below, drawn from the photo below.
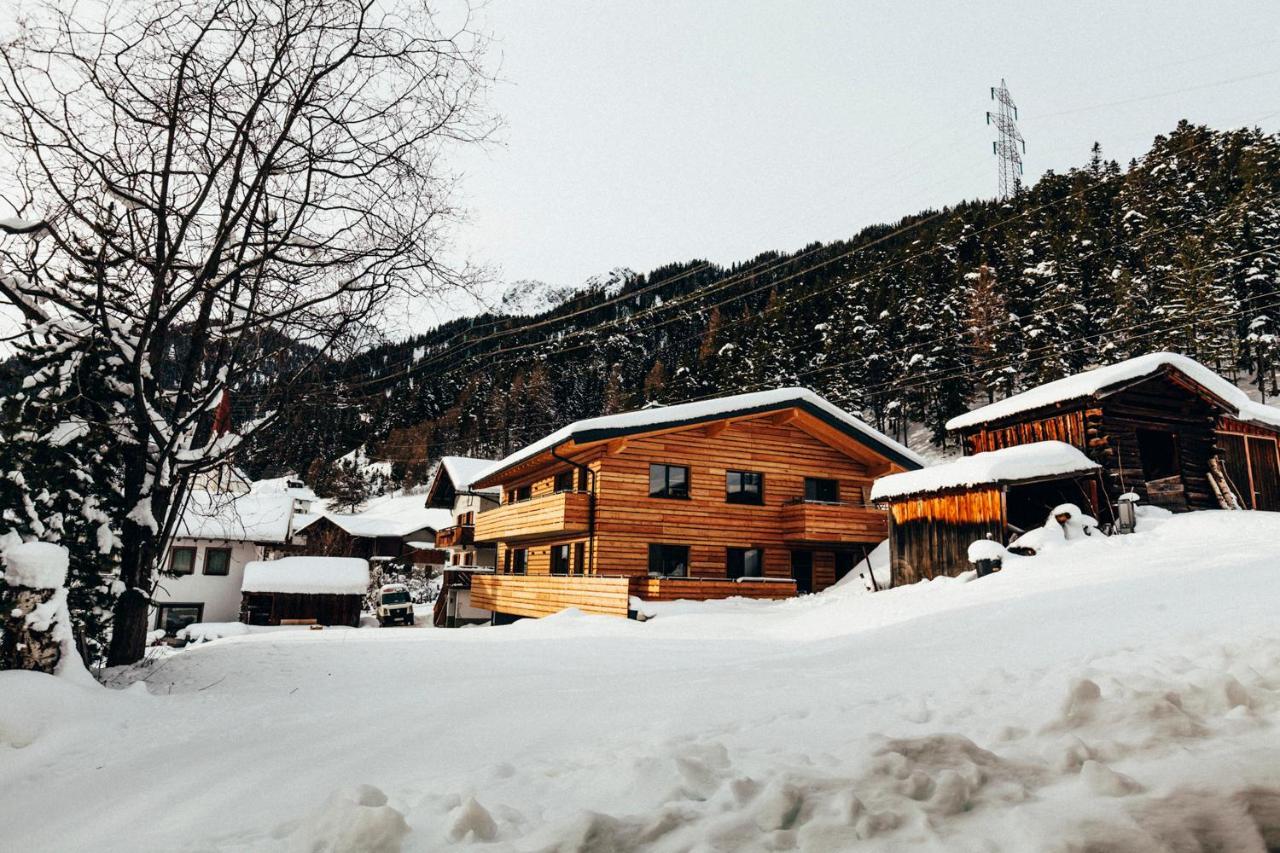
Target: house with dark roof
(762, 495)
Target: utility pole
(1010, 147)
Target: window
(1159, 452)
(559, 559)
(174, 617)
(584, 480)
(580, 558)
(182, 561)
(467, 519)
(802, 571)
(564, 481)
(668, 481)
(522, 493)
(820, 490)
(217, 561)
(669, 561)
(519, 561)
(744, 563)
(744, 487)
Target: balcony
(544, 515)
(458, 536)
(832, 523)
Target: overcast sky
(639, 133)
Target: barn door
(1265, 466)
(1235, 461)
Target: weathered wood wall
(1251, 459)
(325, 609)
(930, 536)
(1068, 427)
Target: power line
(1005, 118)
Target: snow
(38, 565)
(1120, 694)
(258, 516)
(394, 516)
(308, 575)
(1041, 459)
(986, 549)
(464, 470)
(1099, 379)
(659, 416)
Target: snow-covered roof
(1019, 464)
(663, 417)
(308, 575)
(392, 516)
(287, 485)
(1101, 379)
(463, 471)
(252, 517)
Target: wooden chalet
(758, 495)
(1161, 425)
(937, 512)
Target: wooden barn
(1161, 425)
(304, 590)
(936, 512)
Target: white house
(219, 533)
(450, 487)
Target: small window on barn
(821, 490)
(182, 561)
(668, 481)
(669, 561)
(744, 562)
(1159, 452)
(217, 561)
(744, 487)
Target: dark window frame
(226, 568)
(743, 494)
(519, 561)
(661, 552)
(185, 549)
(519, 493)
(665, 491)
(735, 562)
(579, 558)
(814, 494)
(178, 605)
(563, 481)
(561, 559)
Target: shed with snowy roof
(935, 513)
(298, 590)
(1161, 425)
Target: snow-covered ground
(1116, 695)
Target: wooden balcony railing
(544, 515)
(832, 523)
(458, 536)
(542, 595)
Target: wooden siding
(930, 535)
(1068, 427)
(706, 589)
(628, 520)
(547, 514)
(269, 608)
(458, 536)
(542, 595)
(833, 523)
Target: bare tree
(221, 192)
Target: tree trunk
(128, 629)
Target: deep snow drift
(1115, 695)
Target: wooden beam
(715, 429)
(785, 417)
(613, 448)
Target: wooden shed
(316, 590)
(937, 512)
(1161, 425)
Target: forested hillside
(909, 322)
